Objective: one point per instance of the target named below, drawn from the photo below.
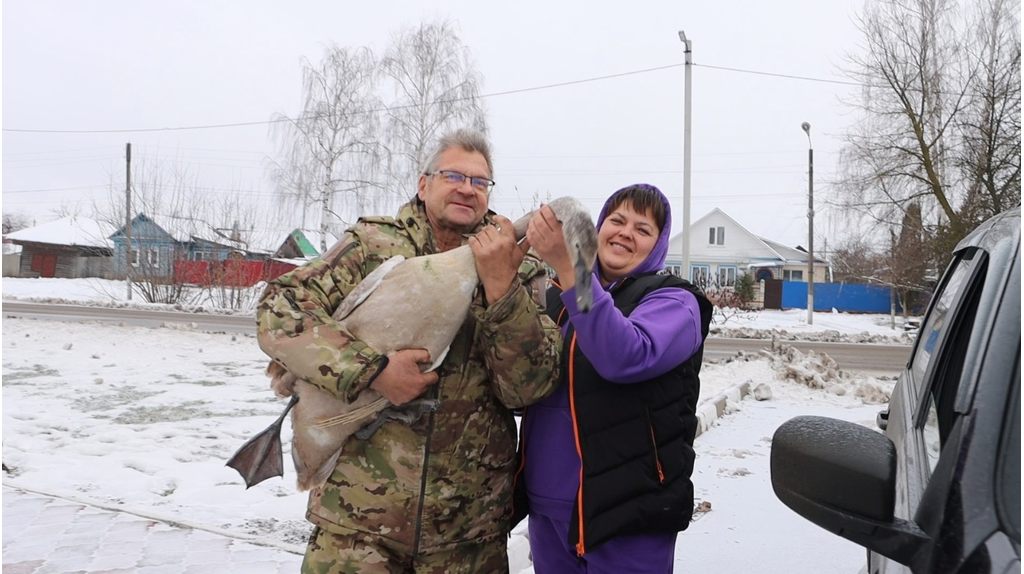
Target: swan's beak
(584, 282)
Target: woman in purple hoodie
(605, 461)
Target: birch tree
(330, 152)
(432, 87)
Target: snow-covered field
(144, 419)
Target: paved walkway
(45, 535)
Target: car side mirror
(842, 477)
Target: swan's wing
(366, 287)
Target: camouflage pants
(329, 553)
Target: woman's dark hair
(644, 199)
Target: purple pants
(638, 554)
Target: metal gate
(773, 293)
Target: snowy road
(877, 359)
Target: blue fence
(848, 297)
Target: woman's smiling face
(625, 239)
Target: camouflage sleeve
(521, 344)
(294, 325)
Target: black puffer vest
(636, 439)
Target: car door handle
(882, 419)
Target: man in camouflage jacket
(434, 495)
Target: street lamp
(810, 224)
(684, 269)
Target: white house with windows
(721, 250)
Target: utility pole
(684, 269)
(810, 224)
(128, 217)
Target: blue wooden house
(154, 249)
(158, 250)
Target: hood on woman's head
(645, 197)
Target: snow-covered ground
(144, 419)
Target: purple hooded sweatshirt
(662, 332)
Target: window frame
(716, 235)
(153, 257)
(704, 270)
(724, 281)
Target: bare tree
(329, 153)
(899, 265)
(433, 88)
(174, 198)
(906, 271)
(15, 221)
(990, 130)
(939, 123)
(855, 260)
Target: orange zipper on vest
(580, 547)
(657, 458)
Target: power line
(492, 95)
(6, 191)
(786, 76)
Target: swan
(397, 306)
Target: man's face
(455, 208)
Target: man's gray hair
(467, 139)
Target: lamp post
(810, 224)
(684, 269)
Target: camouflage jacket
(446, 478)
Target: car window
(935, 325)
(948, 331)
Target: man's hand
(498, 258)
(401, 380)
(545, 234)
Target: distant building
(721, 249)
(70, 247)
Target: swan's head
(581, 241)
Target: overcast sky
(102, 66)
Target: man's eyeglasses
(456, 178)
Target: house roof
(782, 252)
(186, 230)
(75, 231)
(313, 236)
(790, 253)
(303, 244)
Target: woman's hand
(544, 233)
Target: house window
(792, 275)
(204, 256)
(716, 236)
(674, 270)
(153, 258)
(726, 276)
(700, 275)
(134, 257)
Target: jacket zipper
(522, 460)
(581, 548)
(654, 445)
